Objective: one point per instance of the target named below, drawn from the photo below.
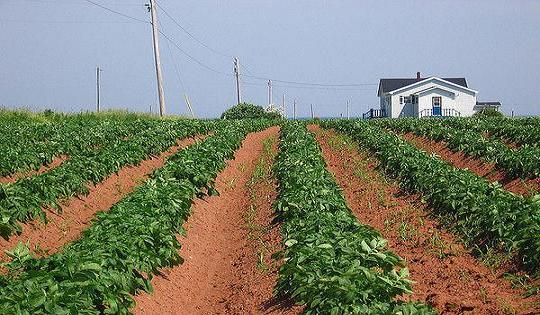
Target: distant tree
(48, 112)
(246, 111)
(488, 112)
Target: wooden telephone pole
(237, 74)
(312, 116)
(283, 106)
(269, 92)
(348, 117)
(294, 109)
(157, 57)
(98, 70)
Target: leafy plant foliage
(485, 214)
(117, 256)
(24, 200)
(248, 111)
(523, 162)
(333, 264)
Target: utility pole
(283, 105)
(98, 70)
(157, 57)
(237, 74)
(312, 116)
(348, 117)
(269, 92)
(294, 109)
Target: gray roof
(389, 85)
(488, 103)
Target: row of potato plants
(118, 255)
(523, 162)
(522, 131)
(25, 199)
(27, 145)
(486, 215)
(333, 264)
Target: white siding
(458, 98)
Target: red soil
(487, 170)
(77, 212)
(446, 275)
(219, 274)
(43, 169)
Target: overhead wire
(175, 64)
(215, 51)
(200, 63)
(116, 12)
(250, 73)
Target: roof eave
(431, 78)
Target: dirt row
(487, 170)
(230, 238)
(57, 161)
(445, 274)
(77, 212)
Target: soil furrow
(223, 271)
(63, 227)
(446, 274)
(484, 169)
(57, 161)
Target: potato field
(119, 213)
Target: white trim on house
(434, 88)
(428, 80)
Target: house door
(437, 102)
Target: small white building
(424, 97)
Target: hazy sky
(49, 50)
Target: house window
(407, 99)
(414, 99)
(401, 100)
(436, 101)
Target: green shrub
(488, 112)
(246, 111)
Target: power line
(328, 88)
(309, 83)
(191, 35)
(66, 22)
(75, 2)
(116, 12)
(200, 63)
(175, 64)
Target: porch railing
(444, 112)
(374, 113)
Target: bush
(488, 112)
(245, 111)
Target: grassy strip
(523, 162)
(262, 175)
(334, 264)
(100, 272)
(486, 215)
(23, 200)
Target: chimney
(418, 75)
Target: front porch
(439, 112)
(374, 113)
(428, 112)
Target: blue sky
(49, 50)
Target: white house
(422, 97)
